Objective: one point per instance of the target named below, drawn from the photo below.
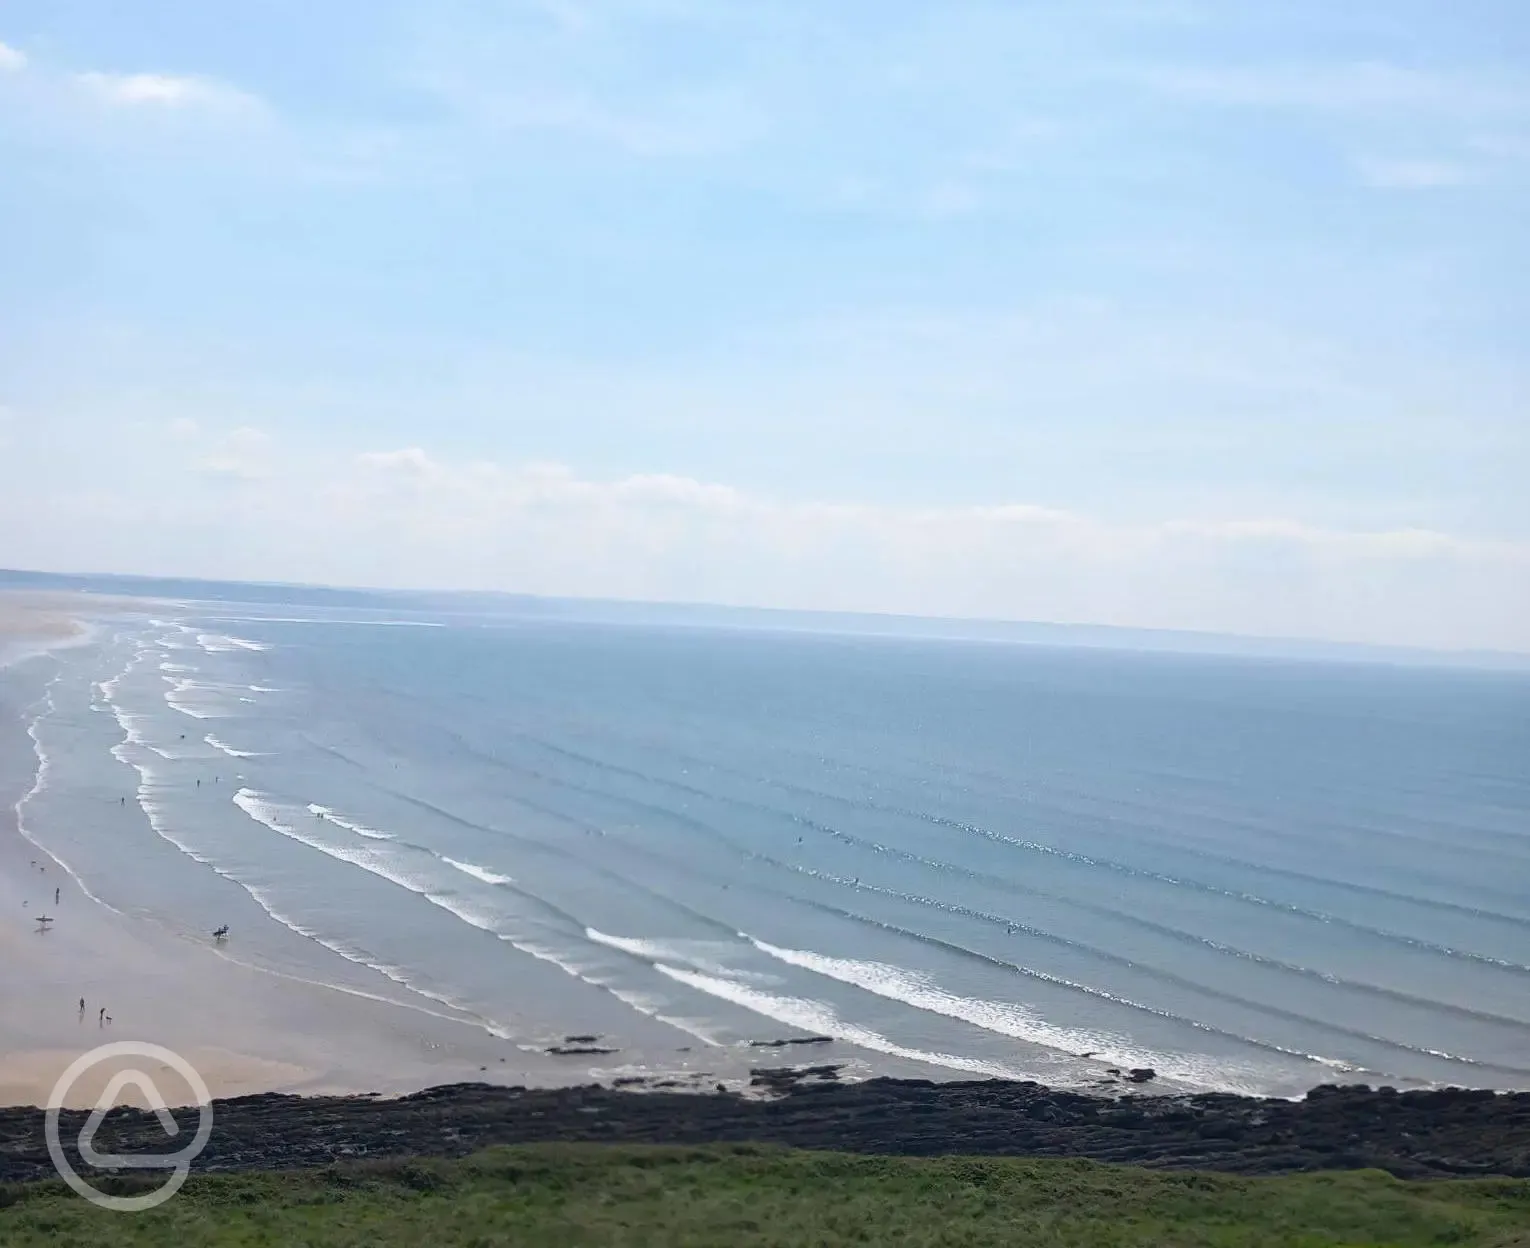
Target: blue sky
(1147, 312)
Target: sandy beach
(31, 622)
(246, 1029)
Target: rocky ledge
(1410, 1134)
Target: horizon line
(1265, 643)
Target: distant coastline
(487, 606)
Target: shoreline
(245, 1028)
(254, 1022)
(250, 1028)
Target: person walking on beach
(55, 896)
(82, 1007)
(101, 1017)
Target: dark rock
(580, 1039)
(793, 1076)
(1409, 1134)
(577, 1050)
(1141, 1074)
(781, 1044)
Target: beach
(314, 1046)
(469, 848)
(242, 1029)
(99, 975)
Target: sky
(1205, 314)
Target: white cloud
(168, 91)
(411, 462)
(411, 519)
(405, 517)
(1414, 175)
(184, 428)
(12, 60)
(239, 455)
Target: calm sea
(1249, 874)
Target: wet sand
(244, 1028)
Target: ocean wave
(194, 714)
(329, 816)
(477, 872)
(230, 750)
(819, 1018)
(39, 785)
(178, 699)
(293, 619)
(217, 643)
(343, 949)
(918, 990)
(266, 812)
(701, 955)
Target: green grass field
(745, 1196)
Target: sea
(1252, 874)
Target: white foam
(186, 710)
(642, 1002)
(819, 1018)
(325, 813)
(262, 689)
(154, 811)
(702, 955)
(379, 862)
(178, 698)
(39, 783)
(218, 643)
(176, 667)
(264, 811)
(108, 688)
(230, 750)
(915, 989)
(293, 619)
(477, 872)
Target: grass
(749, 1196)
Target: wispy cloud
(1362, 87)
(12, 60)
(1375, 106)
(240, 455)
(1414, 175)
(546, 528)
(169, 91)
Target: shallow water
(1251, 875)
